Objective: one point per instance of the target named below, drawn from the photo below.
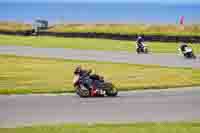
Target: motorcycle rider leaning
(139, 42)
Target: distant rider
(139, 42)
(182, 48)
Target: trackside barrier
(158, 38)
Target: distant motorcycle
(142, 49)
(188, 53)
(99, 88)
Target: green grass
(178, 127)
(36, 75)
(85, 44)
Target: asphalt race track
(181, 104)
(140, 106)
(171, 60)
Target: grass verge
(85, 44)
(178, 127)
(20, 75)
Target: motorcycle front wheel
(82, 91)
(190, 55)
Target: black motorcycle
(99, 87)
(188, 53)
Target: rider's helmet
(183, 46)
(139, 39)
(101, 78)
(77, 70)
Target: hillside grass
(111, 28)
(14, 26)
(129, 29)
(20, 75)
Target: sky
(149, 1)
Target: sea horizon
(99, 13)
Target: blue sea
(117, 13)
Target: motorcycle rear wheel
(111, 90)
(138, 51)
(146, 51)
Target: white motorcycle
(188, 53)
